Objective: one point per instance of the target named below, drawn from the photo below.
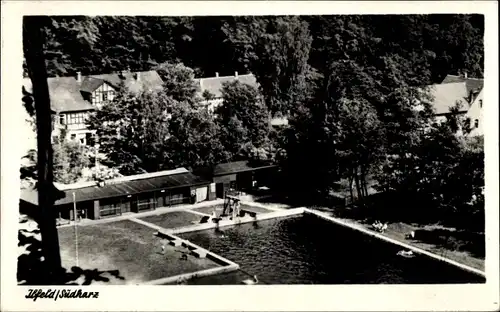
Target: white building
(468, 92)
(213, 85)
(74, 98)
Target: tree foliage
(276, 50)
(243, 118)
(179, 82)
(70, 159)
(158, 130)
(132, 130)
(352, 86)
(210, 44)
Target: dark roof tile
(238, 166)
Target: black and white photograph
(250, 149)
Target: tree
(70, 158)
(207, 95)
(361, 143)
(179, 83)
(159, 130)
(276, 50)
(367, 95)
(33, 42)
(71, 41)
(132, 130)
(194, 140)
(243, 118)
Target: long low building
(239, 176)
(95, 200)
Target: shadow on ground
(457, 235)
(30, 266)
(473, 243)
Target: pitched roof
(121, 188)
(446, 96)
(471, 83)
(134, 81)
(90, 84)
(66, 92)
(238, 166)
(214, 84)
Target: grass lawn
(173, 219)
(128, 247)
(439, 240)
(219, 208)
(208, 210)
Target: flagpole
(76, 229)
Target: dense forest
(209, 44)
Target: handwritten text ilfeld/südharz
(60, 293)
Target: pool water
(309, 250)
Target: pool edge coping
(227, 266)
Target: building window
(102, 96)
(76, 118)
(476, 123)
(62, 119)
(73, 136)
(481, 103)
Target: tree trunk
(363, 182)
(358, 185)
(351, 181)
(366, 185)
(34, 40)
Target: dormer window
(104, 93)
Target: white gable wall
(104, 93)
(475, 113)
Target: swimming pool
(308, 250)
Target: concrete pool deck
(129, 248)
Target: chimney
(216, 74)
(236, 74)
(78, 77)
